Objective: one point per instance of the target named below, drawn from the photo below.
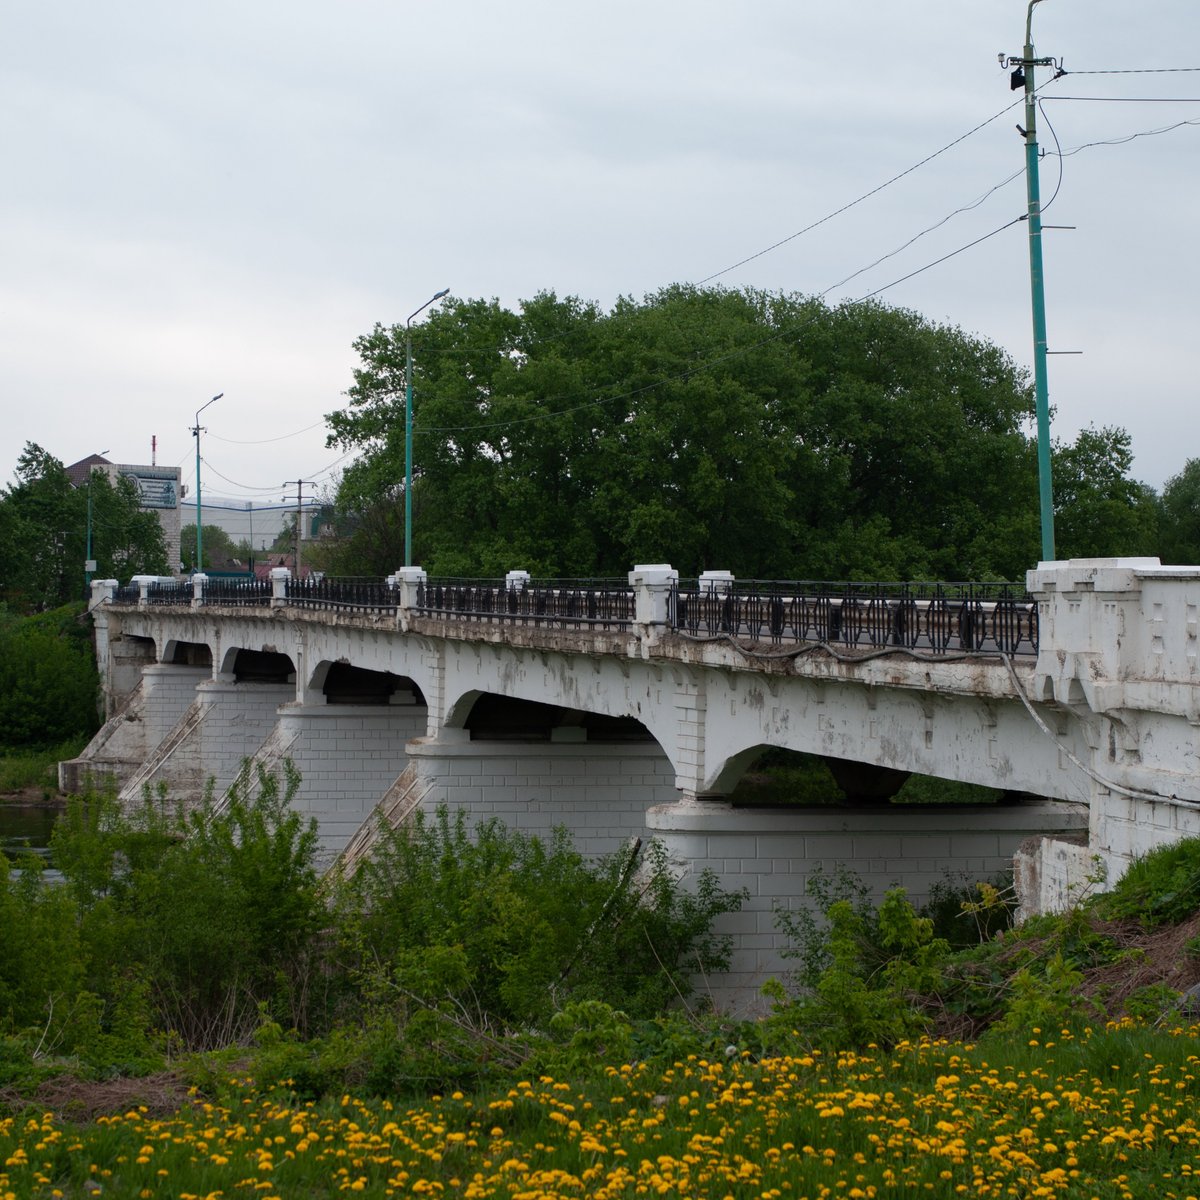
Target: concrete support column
(199, 580)
(600, 791)
(169, 691)
(348, 756)
(772, 853)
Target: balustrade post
(409, 581)
(279, 582)
(652, 584)
(143, 586)
(102, 590)
(199, 582)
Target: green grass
(21, 769)
(1109, 1114)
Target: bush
(49, 687)
(215, 910)
(1160, 888)
(528, 925)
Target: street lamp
(199, 514)
(408, 406)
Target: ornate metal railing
(238, 593)
(129, 594)
(344, 595)
(179, 593)
(936, 617)
(597, 603)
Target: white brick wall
(772, 853)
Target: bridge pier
(774, 852)
(348, 756)
(600, 792)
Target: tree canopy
(43, 533)
(767, 434)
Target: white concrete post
(199, 580)
(652, 584)
(409, 580)
(143, 586)
(102, 590)
(279, 582)
(716, 581)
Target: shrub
(1160, 888)
(531, 925)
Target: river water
(26, 827)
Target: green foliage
(1160, 888)
(20, 769)
(41, 962)
(43, 533)
(1099, 510)
(1179, 516)
(517, 927)
(1045, 996)
(966, 914)
(216, 909)
(1152, 1002)
(48, 681)
(217, 547)
(878, 965)
(768, 434)
(928, 789)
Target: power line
(866, 195)
(266, 441)
(1138, 71)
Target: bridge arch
(180, 653)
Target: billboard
(158, 487)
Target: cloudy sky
(221, 197)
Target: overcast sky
(221, 197)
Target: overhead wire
(865, 196)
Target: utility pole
(199, 512)
(300, 484)
(1023, 74)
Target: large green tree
(43, 533)
(1179, 516)
(768, 434)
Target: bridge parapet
(1119, 633)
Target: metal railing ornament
(936, 617)
(578, 603)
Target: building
(160, 488)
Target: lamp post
(199, 512)
(408, 407)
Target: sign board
(156, 488)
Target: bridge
(632, 708)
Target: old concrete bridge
(623, 710)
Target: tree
(1100, 512)
(767, 434)
(1179, 516)
(217, 547)
(43, 533)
